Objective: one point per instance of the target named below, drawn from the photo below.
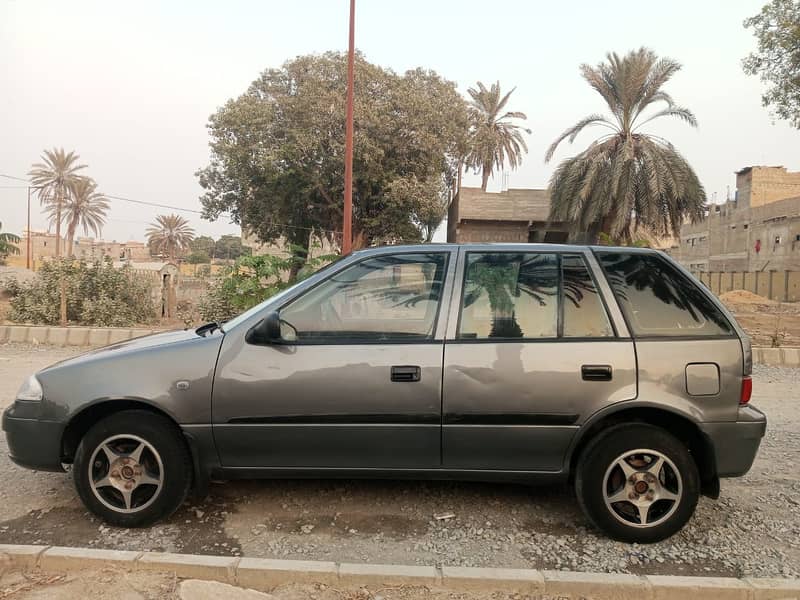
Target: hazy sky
(130, 86)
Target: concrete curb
(777, 357)
(266, 574)
(69, 336)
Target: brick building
(514, 215)
(757, 230)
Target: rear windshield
(660, 301)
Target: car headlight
(31, 390)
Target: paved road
(754, 529)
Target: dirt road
(753, 529)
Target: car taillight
(747, 389)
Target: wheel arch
(678, 424)
(83, 420)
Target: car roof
(521, 246)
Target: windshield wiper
(209, 328)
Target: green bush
(251, 280)
(97, 294)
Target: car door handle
(406, 373)
(596, 372)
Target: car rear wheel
(132, 468)
(637, 483)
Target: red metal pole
(29, 243)
(347, 228)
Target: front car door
(535, 351)
(356, 380)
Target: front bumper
(736, 443)
(33, 443)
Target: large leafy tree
(777, 60)
(170, 235)
(495, 138)
(277, 152)
(230, 246)
(8, 243)
(85, 207)
(627, 179)
(53, 179)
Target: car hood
(132, 346)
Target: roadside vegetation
(253, 279)
(95, 294)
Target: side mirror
(267, 330)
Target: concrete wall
(493, 231)
(781, 286)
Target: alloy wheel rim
(126, 473)
(642, 488)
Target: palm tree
(85, 207)
(627, 179)
(169, 235)
(494, 137)
(8, 244)
(52, 179)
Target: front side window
(659, 300)
(386, 298)
(530, 296)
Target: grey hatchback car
(609, 368)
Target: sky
(130, 86)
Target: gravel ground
(753, 529)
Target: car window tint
(509, 295)
(584, 313)
(659, 300)
(383, 298)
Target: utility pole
(347, 228)
(29, 243)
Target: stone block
(774, 589)
(18, 334)
(674, 587)
(381, 575)
(74, 559)
(597, 586)
(78, 336)
(216, 568)
(17, 556)
(526, 581)
(265, 574)
(771, 356)
(99, 337)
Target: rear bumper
(736, 443)
(32, 443)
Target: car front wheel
(637, 483)
(132, 468)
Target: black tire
(621, 520)
(164, 457)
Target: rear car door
(356, 380)
(534, 351)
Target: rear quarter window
(660, 301)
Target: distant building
(514, 215)
(756, 230)
(90, 249)
(319, 247)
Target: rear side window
(530, 296)
(659, 300)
